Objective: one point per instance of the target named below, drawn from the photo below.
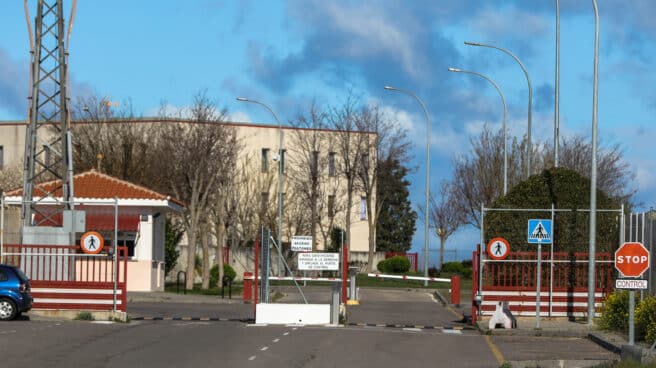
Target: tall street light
(427, 175)
(557, 88)
(505, 134)
(593, 183)
(530, 99)
(280, 163)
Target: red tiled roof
(96, 185)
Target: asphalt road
(141, 344)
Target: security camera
(275, 158)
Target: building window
(331, 206)
(2, 157)
(265, 160)
(364, 164)
(283, 155)
(264, 201)
(363, 208)
(331, 164)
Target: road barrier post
(247, 293)
(455, 289)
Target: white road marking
(412, 329)
(252, 358)
(265, 348)
(286, 333)
(276, 340)
(453, 332)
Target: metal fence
(640, 228)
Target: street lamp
(505, 134)
(426, 224)
(280, 163)
(530, 99)
(593, 185)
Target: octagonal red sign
(632, 259)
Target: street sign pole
(539, 276)
(631, 317)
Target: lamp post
(280, 174)
(557, 88)
(505, 133)
(593, 180)
(530, 99)
(426, 223)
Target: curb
(419, 327)
(195, 319)
(599, 340)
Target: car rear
(15, 292)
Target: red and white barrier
(404, 277)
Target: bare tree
(195, 153)
(349, 145)
(11, 177)
(445, 216)
(381, 139)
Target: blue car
(15, 295)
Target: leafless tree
(191, 163)
(382, 138)
(11, 177)
(445, 216)
(349, 146)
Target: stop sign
(632, 259)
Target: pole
(426, 220)
(115, 251)
(539, 279)
(551, 257)
(280, 172)
(631, 317)
(505, 134)
(530, 98)
(593, 176)
(557, 87)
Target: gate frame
(477, 300)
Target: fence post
(344, 271)
(455, 289)
(247, 295)
(474, 291)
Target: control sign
(498, 248)
(630, 284)
(92, 242)
(318, 261)
(539, 231)
(301, 243)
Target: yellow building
(312, 163)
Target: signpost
(539, 232)
(498, 249)
(301, 244)
(631, 260)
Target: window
(363, 208)
(2, 157)
(265, 160)
(282, 159)
(264, 201)
(331, 206)
(364, 164)
(3, 275)
(331, 164)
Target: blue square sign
(539, 231)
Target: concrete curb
(557, 363)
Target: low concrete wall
(306, 314)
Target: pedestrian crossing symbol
(539, 231)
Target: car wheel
(7, 309)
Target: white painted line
(103, 322)
(285, 334)
(265, 348)
(76, 291)
(412, 329)
(257, 325)
(77, 301)
(294, 329)
(276, 340)
(252, 358)
(452, 332)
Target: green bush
(397, 264)
(645, 320)
(228, 272)
(458, 268)
(615, 313)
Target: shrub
(228, 272)
(433, 272)
(397, 264)
(615, 313)
(645, 320)
(84, 316)
(458, 268)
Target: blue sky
(287, 53)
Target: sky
(287, 54)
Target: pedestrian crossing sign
(539, 231)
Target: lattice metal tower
(47, 152)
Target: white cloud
(495, 22)
(239, 117)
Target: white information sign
(318, 261)
(301, 243)
(630, 284)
